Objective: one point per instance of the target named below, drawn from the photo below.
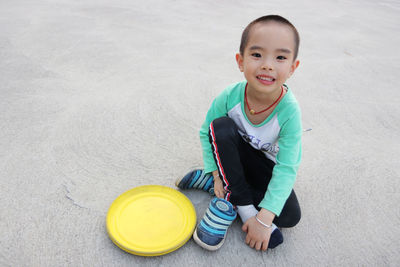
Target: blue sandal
(197, 179)
(211, 231)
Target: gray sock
(246, 212)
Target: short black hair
(269, 18)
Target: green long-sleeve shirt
(279, 137)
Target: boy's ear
(294, 66)
(239, 60)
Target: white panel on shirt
(264, 138)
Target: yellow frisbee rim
(118, 213)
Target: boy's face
(267, 61)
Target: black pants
(245, 171)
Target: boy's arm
(280, 186)
(287, 163)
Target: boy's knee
(294, 220)
(289, 221)
(224, 128)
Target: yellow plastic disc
(151, 220)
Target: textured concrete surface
(98, 97)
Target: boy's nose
(267, 66)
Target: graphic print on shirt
(255, 142)
(264, 138)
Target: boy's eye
(281, 57)
(256, 55)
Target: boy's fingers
(264, 246)
(258, 245)
(247, 239)
(244, 228)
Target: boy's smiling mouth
(265, 79)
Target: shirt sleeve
(218, 109)
(287, 163)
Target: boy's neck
(259, 98)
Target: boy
(251, 141)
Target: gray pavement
(97, 97)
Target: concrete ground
(98, 97)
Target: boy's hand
(257, 235)
(218, 186)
